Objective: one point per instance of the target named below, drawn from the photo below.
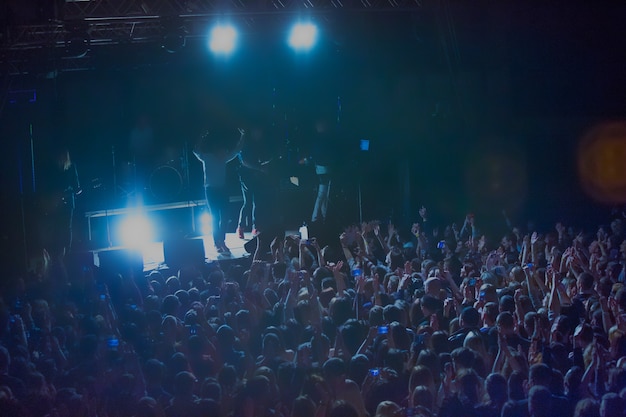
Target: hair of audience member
(439, 342)
(303, 406)
(194, 295)
(172, 284)
(572, 382)
(540, 374)
(431, 304)
(422, 396)
(209, 407)
(454, 325)
(518, 274)
(387, 409)
(342, 409)
(312, 385)
(5, 360)
(515, 386)
(211, 389)
(340, 310)
(496, 389)
(507, 303)
(394, 359)
(463, 358)
(352, 333)
(490, 311)
(560, 358)
(375, 316)
(557, 383)
(430, 359)
(469, 317)
(148, 407)
(381, 390)
(358, 368)
(227, 377)
(154, 371)
(611, 405)
(270, 345)
(468, 385)
(170, 305)
(184, 384)
(587, 407)
(401, 337)
(183, 297)
(421, 376)
(538, 398)
(392, 313)
(489, 277)
(302, 312)
(617, 379)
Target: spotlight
(174, 35)
(206, 224)
(223, 39)
(174, 41)
(77, 39)
(135, 231)
(303, 36)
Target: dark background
(468, 106)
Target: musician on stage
(323, 147)
(255, 160)
(61, 185)
(215, 150)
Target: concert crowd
(377, 321)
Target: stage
(179, 238)
(171, 255)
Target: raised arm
(233, 153)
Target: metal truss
(126, 8)
(27, 49)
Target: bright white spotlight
(223, 39)
(303, 36)
(206, 224)
(136, 230)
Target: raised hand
(534, 238)
(407, 268)
(376, 283)
(560, 228)
(337, 268)
(343, 239)
(423, 213)
(481, 243)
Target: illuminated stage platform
(192, 206)
(180, 217)
(154, 256)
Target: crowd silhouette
(378, 321)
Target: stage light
(206, 224)
(77, 40)
(303, 36)
(223, 39)
(136, 230)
